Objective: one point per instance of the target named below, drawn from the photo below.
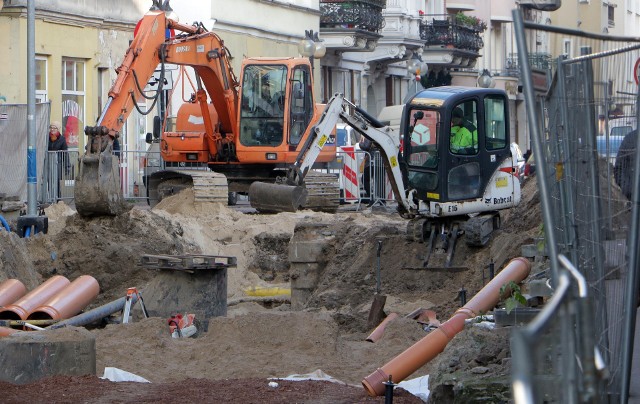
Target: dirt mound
(107, 248)
(255, 340)
(271, 344)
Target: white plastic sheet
(419, 387)
(119, 375)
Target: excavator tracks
(208, 186)
(324, 192)
(478, 229)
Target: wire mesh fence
(578, 107)
(361, 183)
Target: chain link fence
(588, 214)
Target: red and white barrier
(350, 174)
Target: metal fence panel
(587, 216)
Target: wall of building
(95, 32)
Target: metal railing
(363, 14)
(545, 370)
(445, 31)
(61, 167)
(539, 61)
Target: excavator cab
(456, 144)
(276, 108)
(458, 158)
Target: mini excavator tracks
(441, 236)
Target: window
(263, 103)
(41, 79)
(73, 98)
(566, 47)
(302, 105)
(611, 14)
(496, 125)
(422, 150)
(464, 129)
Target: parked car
(618, 129)
(520, 161)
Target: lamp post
(485, 80)
(417, 67)
(311, 46)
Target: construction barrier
(350, 173)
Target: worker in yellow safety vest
(464, 135)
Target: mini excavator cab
(458, 158)
(455, 145)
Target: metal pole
(631, 292)
(32, 165)
(530, 102)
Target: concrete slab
(29, 356)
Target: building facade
(78, 46)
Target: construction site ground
(263, 338)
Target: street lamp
(417, 67)
(485, 80)
(311, 46)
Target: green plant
(470, 22)
(515, 296)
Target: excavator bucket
(267, 197)
(97, 189)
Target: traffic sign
(636, 72)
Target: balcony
(537, 61)
(452, 41)
(351, 25)
(450, 33)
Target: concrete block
(300, 297)
(307, 251)
(305, 275)
(29, 356)
(539, 287)
(203, 293)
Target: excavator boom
(289, 196)
(97, 190)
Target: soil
(261, 338)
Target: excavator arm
(97, 190)
(289, 194)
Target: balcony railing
(540, 61)
(447, 32)
(364, 14)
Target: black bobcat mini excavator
(444, 189)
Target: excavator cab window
(301, 104)
(464, 128)
(263, 104)
(495, 123)
(421, 149)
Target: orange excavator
(244, 130)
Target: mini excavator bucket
(97, 189)
(268, 197)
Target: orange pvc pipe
(379, 330)
(69, 301)
(21, 309)
(10, 291)
(430, 346)
(6, 331)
